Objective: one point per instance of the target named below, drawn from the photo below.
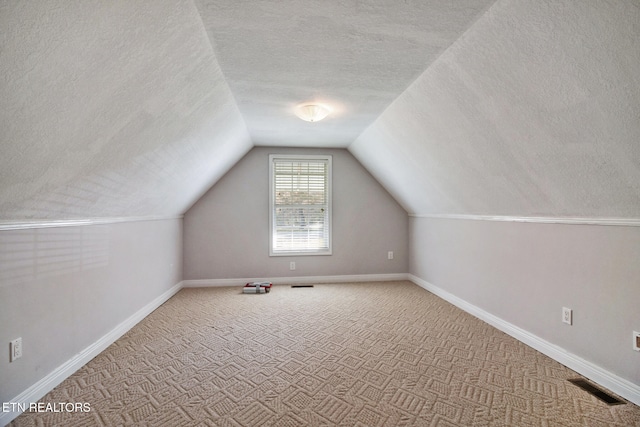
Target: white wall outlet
(390, 255)
(292, 265)
(636, 341)
(567, 315)
(15, 349)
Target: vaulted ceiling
(356, 56)
(134, 109)
(534, 111)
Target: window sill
(323, 253)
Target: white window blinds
(300, 205)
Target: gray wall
(525, 273)
(226, 233)
(62, 289)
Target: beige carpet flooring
(375, 354)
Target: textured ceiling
(355, 55)
(122, 109)
(535, 111)
(110, 109)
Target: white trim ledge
(616, 384)
(62, 372)
(206, 283)
(625, 222)
(24, 225)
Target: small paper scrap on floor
(257, 288)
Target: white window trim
(272, 158)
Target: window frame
(273, 158)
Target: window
(300, 205)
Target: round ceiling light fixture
(312, 112)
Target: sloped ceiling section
(534, 111)
(357, 56)
(110, 109)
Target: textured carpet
(378, 354)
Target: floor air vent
(302, 286)
(595, 391)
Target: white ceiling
(534, 112)
(357, 56)
(120, 109)
(110, 109)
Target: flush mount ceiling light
(312, 112)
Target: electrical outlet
(636, 341)
(292, 265)
(567, 315)
(15, 348)
(390, 255)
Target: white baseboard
(299, 279)
(62, 372)
(620, 386)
